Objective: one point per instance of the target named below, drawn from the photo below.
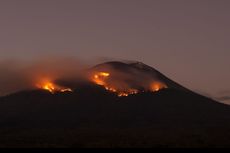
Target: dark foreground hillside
(92, 117)
(114, 138)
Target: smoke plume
(18, 75)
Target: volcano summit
(116, 104)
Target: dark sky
(188, 40)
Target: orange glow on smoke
(51, 87)
(101, 78)
(156, 86)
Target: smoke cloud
(66, 71)
(18, 75)
(126, 77)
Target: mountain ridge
(93, 114)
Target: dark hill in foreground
(96, 107)
(95, 118)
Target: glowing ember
(110, 89)
(66, 90)
(51, 87)
(105, 74)
(133, 91)
(122, 94)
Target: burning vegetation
(122, 90)
(157, 86)
(121, 83)
(104, 79)
(52, 87)
(119, 78)
(123, 80)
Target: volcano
(137, 74)
(118, 105)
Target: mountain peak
(135, 73)
(141, 65)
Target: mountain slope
(140, 70)
(94, 106)
(94, 115)
(92, 102)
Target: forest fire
(156, 86)
(100, 77)
(51, 87)
(103, 79)
(111, 82)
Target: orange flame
(156, 86)
(101, 78)
(51, 87)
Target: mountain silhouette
(91, 116)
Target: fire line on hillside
(101, 78)
(120, 83)
(52, 87)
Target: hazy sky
(187, 40)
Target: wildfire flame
(105, 80)
(156, 86)
(51, 87)
(101, 78)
